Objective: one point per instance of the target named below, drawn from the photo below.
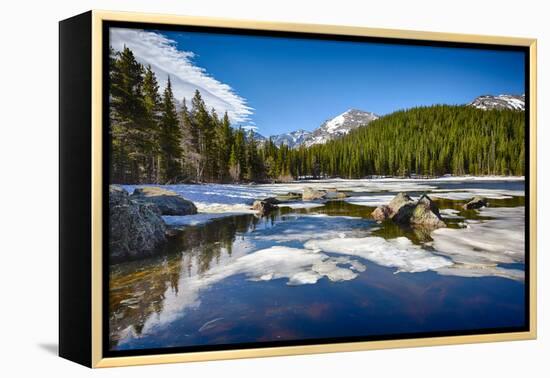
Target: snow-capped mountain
(340, 125)
(503, 101)
(330, 129)
(291, 139)
(257, 137)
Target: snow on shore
(220, 198)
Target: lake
(322, 270)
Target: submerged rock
(404, 210)
(265, 206)
(290, 196)
(136, 228)
(476, 203)
(311, 194)
(168, 202)
(335, 194)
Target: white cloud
(165, 59)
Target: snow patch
(485, 243)
(398, 253)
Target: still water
(327, 271)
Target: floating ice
(302, 205)
(372, 201)
(398, 253)
(466, 194)
(450, 214)
(489, 242)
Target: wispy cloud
(165, 59)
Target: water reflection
(170, 299)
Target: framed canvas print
(234, 189)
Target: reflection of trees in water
(137, 288)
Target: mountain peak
(330, 129)
(502, 101)
(340, 125)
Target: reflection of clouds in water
(333, 246)
(297, 266)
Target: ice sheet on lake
(398, 253)
(488, 242)
(473, 251)
(450, 214)
(302, 205)
(466, 194)
(372, 201)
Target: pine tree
(130, 141)
(224, 143)
(152, 118)
(202, 128)
(234, 165)
(170, 138)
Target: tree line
(428, 141)
(154, 141)
(151, 141)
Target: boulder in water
(136, 229)
(168, 202)
(311, 194)
(265, 206)
(426, 214)
(476, 203)
(404, 210)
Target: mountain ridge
(352, 118)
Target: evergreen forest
(154, 141)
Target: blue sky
(281, 84)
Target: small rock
(311, 194)
(381, 213)
(169, 202)
(290, 196)
(264, 207)
(335, 194)
(476, 203)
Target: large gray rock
(426, 214)
(311, 194)
(136, 229)
(476, 203)
(400, 207)
(404, 210)
(168, 202)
